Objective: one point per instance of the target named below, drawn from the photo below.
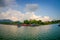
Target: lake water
(45, 32)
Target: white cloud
(10, 2)
(18, 16)
(45, 18)
(4, 3)
(12, 14)
(31, 7)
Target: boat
(34, 25)
(19, 25)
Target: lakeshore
(29, 22)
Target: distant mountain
(5, 20)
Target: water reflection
(46, 32)
(33, 32)
(8, 30)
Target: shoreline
(26, 25)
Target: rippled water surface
(45, 32)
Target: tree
(17, 22)
(26, 22)
(33, 21)
(39, 22)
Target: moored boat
(34, 25)
(18, 25)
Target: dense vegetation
(39, 22)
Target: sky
(44, 10)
